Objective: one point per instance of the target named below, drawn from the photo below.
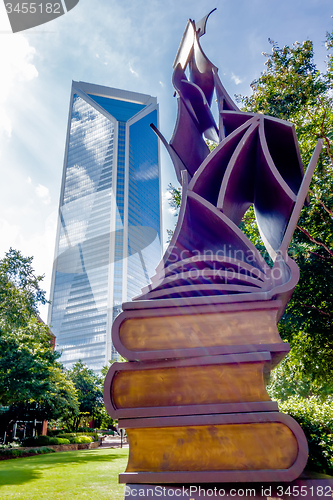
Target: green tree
(89, 390)
(102, 417)
(31, 379)
(293, 89)
(175, 197)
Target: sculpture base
(214, 448)
(193, 399)
(303, 487)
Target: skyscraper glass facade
(108, 238)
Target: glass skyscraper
(108, 236)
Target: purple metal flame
(256, 162)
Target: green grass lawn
(84, 474)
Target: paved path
(114, 442)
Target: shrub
(84, 430)
(11, 452)
(13, 444)
(316, 420)
(82, 439)
(94, 435)
(45, 440)
(58, 440)
(43, 450)
(36, 441)
(71, 435)
(15, 452)
(54, 432)
(67, 435)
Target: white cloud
(132, 71)
(146, 172)
(79, 182)
(236, 79)
(5, 123)
(95, 143)
(16, 57)
(43, 192)
(9, 235)
(75, 233)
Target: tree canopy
(89, 390)
(292, 88)
(31, 379)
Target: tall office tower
(108, 237)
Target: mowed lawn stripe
(84, 474)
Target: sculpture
(202, 337)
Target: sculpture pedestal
(259, 446)
(192, 396)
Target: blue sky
(124, 44)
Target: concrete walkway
(114, 442)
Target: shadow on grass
(22, 470)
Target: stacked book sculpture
(202, 338)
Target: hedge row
(47, 440)
(316, 420)
(17, 452)
(70, 435)
(81, 430)
(67, 435)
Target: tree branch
(315, 241)
(321, 203)
(316, 309)
(328, 144)
(318, 255)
